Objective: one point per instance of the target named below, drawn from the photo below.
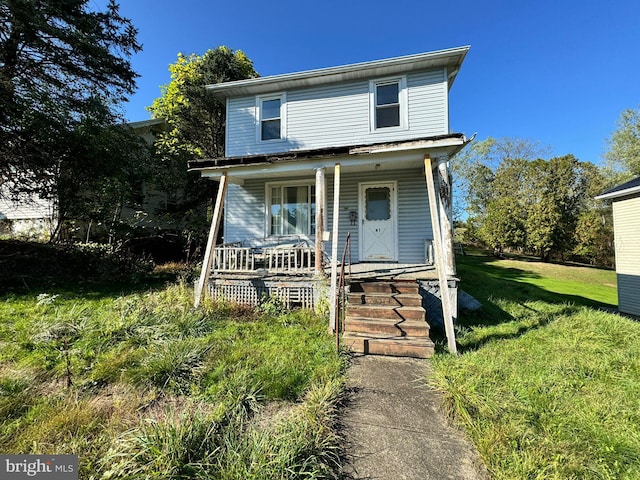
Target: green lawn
(547, 385)
(139, 385)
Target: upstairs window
(271, 122)
(388, 103)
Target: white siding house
(26, 215)
(625, 200)
(312, 158)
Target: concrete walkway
(395, 427)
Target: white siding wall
(244, 211)
(244, 218)
(336, 115)
(626, 224)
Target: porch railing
(278, 260)
(341, 297)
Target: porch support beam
(333, 296)
(445, 295)
(445, 203)
(211, 241)
(320, 196)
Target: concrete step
(398, 299)
(388, 312)
(395, 346)
(373, 327)
(386, 287)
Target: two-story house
(335, 166)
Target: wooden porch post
(333, 311)
(445, 296)
(446, 213)
(211, 241)
(320, 195)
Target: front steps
(387, 318)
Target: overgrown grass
(548, 385)
(140, 385)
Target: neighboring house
(151, 201)
(31, 216)
(26, 215)
(317, 157)
(625, 199)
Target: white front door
(378, 240)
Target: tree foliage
(623, 154)
(195, 117)
(61, 63)
(523, 202)
(195, 127)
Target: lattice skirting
(253, 292)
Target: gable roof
(628, 188)
(451, 58)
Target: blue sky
(559, 72)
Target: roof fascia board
(146, 123)
(452, 57)
(620, 193)
(389, 158)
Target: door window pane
(378, 203)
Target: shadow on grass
(530, 306)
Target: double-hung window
(292, 209)
(271, 118)
(388, 103)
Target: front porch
(386, 213)
(382, 308)
(249, 272)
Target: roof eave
(620, 193)
(451, 58)
(453, 142)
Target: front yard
(140, 385)
(548, 385)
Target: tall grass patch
(141, 385)
(546, 388)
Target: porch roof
(246, 165)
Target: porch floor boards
(391, 271)
(353, 272)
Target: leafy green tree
(62, 63)
(474, 169)
(503, 224)
(195, 129)
(593, 236)
(556, 196)
(623, 156)
(503, 219)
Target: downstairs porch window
(292, 210)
